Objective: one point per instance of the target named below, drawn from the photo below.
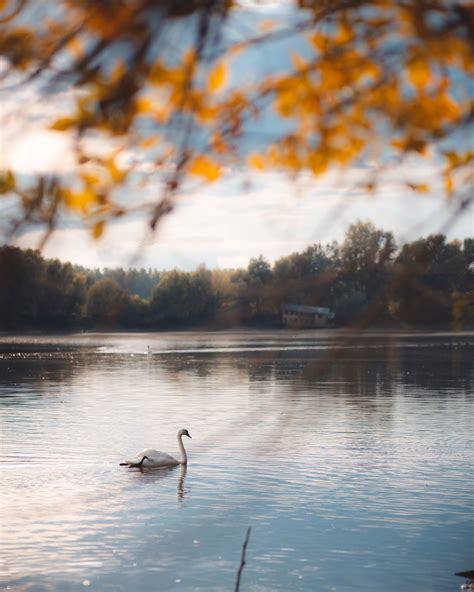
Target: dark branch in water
(242, 560)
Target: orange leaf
(79, 200)
(98, 229)
(419, 72)
(7, 181)
(256, 161)
(217, 77)
(202, 166)
(116, 174)
(448, 183)
(62, 124)
(420, 187)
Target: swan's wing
(155, 457)
(149, 452)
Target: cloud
(226, 224)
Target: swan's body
(149, 457)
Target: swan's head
(184, 432)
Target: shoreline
(284, 332)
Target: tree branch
(242, 559)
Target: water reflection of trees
(365, 368)
(37, 373)
(362, 368)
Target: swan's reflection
(153, 474)
(182, 477)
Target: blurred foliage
(378, 80)
(365, 279)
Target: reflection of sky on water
(357, 477)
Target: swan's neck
(184, 457)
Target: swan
(154, 458)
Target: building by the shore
(300, 316)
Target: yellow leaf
(145, 105)
(256, 161)
(7, 181)
(448, 183)
(345, 33)
(298, 62)
(79, 200)
(218, 144)
(217, 77)
(117, 175)
(76, 47)
(419, 72)
(63, 124)
(149, 142)
(202, 166)
(90, 178)
(319, 41)
(458, 160)
(420, 187)
(98, 229)
(190, 58)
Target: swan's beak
(188, 436)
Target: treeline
(366, 279)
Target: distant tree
(60, 294)
(365, 257)
(255, 291)
(106, 303)
(258, 272)
(463, 310)
(206, 300)
(20, 273)
(430, 271)
(183, 297)
(135, 313)
(305, 277)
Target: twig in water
(242, 560)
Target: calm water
(354, 467)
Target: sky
(241, 216)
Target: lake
(350, 458)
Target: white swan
(154, 458)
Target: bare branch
(242, 559)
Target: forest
(367, 280)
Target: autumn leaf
(448, 183)
(149, 142)
(98, 229)
(202, 166)
(419, 187)
(145, 105)
(7, 181)
(90, 178)
(63, 123)
(80, 200)
(256, 161)
(419, 72)
(217, 77)
(116, 174)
